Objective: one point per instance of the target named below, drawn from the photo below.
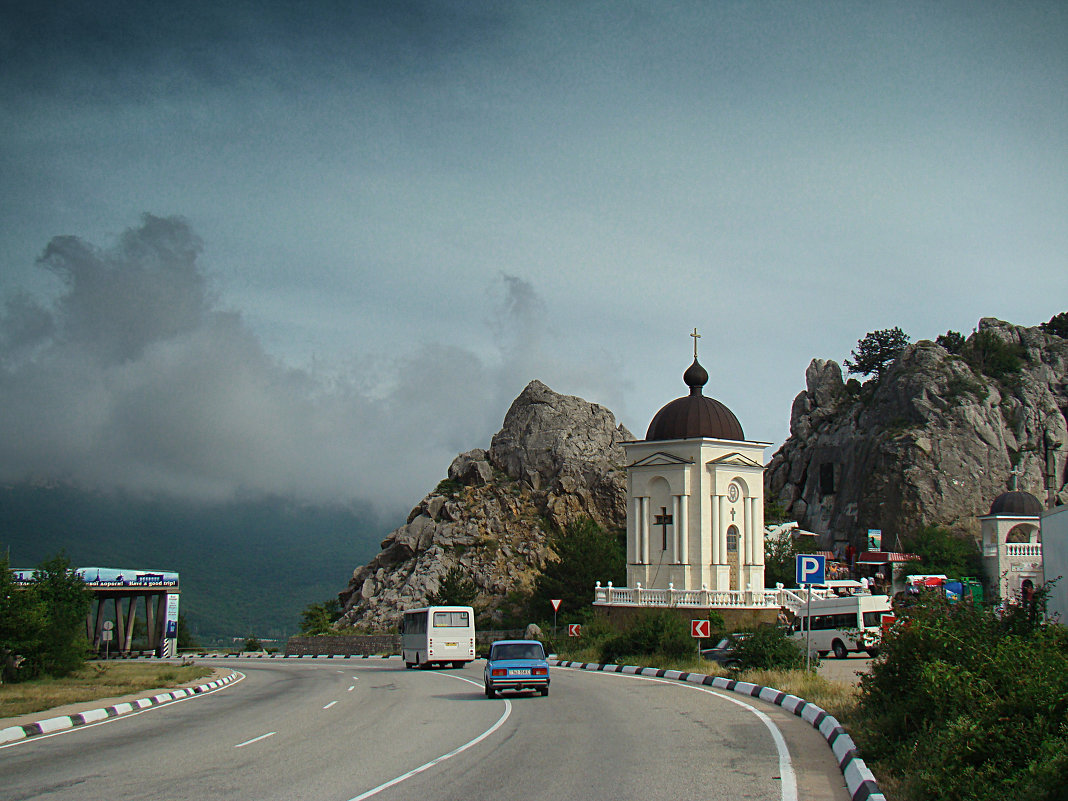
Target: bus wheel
(839, 649)
(457, 664)
(407, 665)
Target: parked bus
(841, 625)
(436, 635)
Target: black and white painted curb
(859, 780)
(14, 733)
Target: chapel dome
(1017, 504)
(694, 415)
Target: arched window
(732, 539)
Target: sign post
(700, 630)
(811, 569)
(556, 608)
(106, 636)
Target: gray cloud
(136, 377)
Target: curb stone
(15, 733)
(860, 782)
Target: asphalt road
(341, 730)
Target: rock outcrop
(932, 442)
(556, 458)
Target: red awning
(883, 557)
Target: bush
(989, 354)
(969, 704)
(770, 648)
(653, 632)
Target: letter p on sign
(811, 569)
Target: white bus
(842, 624)
(434, 635)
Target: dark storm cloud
(136, 378)
(99, 49)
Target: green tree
(252, 643)
(941, 551)
(586, 554)
(877, 351)
(21, 623)
(454, 589)
(953, 341)
(780, 558)
(44, 622)
(185, 636)
(1057, 325)
(320, 618)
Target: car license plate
(452, 645)
(521, 672)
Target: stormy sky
(318, 248)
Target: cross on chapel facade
(701, 483)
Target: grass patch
(94, 681)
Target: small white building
(695, 494)
(1055, 561)
(1012, 545)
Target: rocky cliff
(933, 441)
(555, 459)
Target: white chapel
(695, 494)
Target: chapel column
(716, 524)
(683, 529)
(643, 522)
(676, 543)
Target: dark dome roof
(694, 415)
(1017, 503)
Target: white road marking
(350, 689)
(256, 739)
(443, 757)
(330, 705)
(35, 738)
(786, 767)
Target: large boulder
(932, 442)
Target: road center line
(256, 739)
(330, 705)
(443, 757)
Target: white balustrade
(1033, 549)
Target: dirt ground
(847, 670)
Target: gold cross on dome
(696, 337)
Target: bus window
(451, 619)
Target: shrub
(989, 354)
(968, 703)
(770, 648)
(653, 632)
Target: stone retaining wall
(372, 644)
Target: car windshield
(518, 650)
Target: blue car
(516, 665)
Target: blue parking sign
(811, 569)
